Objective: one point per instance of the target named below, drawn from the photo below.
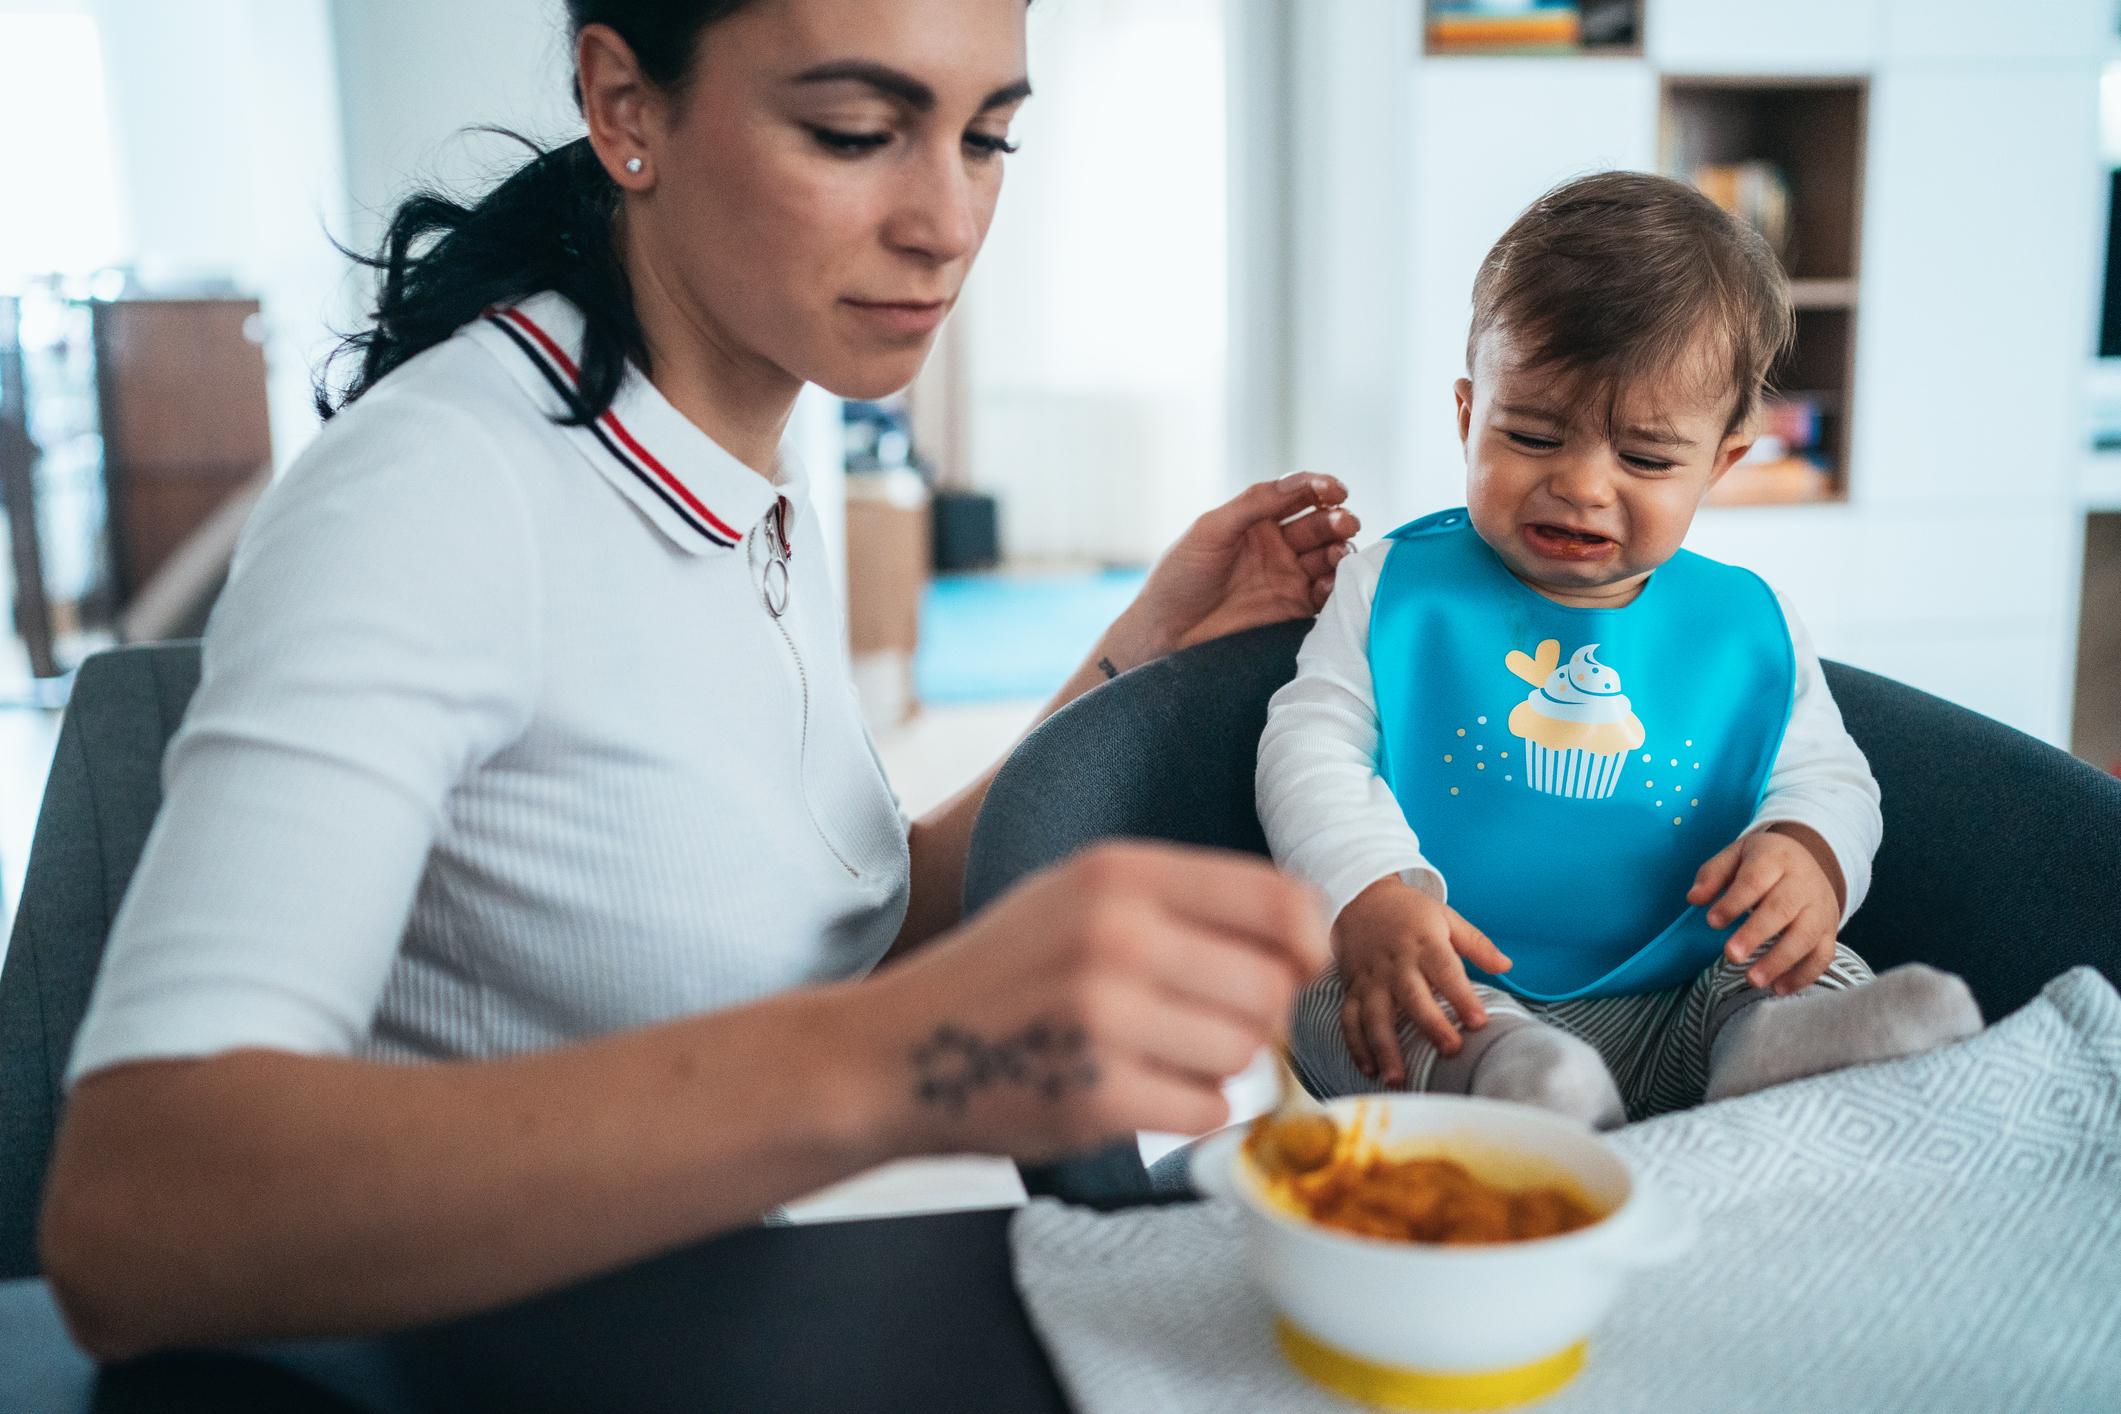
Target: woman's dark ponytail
(549, 226)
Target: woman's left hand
(1243, 564)
(1259, 559)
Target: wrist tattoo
(1105, 665)
(954, 1065)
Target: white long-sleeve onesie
(1331, 820)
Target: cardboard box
(888, 567)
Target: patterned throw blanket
(1939, 1233)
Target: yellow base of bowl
(1398, 1387)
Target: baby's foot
(1909, 1009)
(1540, 1065)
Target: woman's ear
(1463, 391)
(620, 104)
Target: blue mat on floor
(998, 638)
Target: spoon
(1297, 1136)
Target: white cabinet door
(1488, 137)
(1989, 30)
(1826, 36)
(2010, 671)
(1764, 36)
(1980, 239)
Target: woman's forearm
(260, 1193)
(941, 840)
(1260, 558)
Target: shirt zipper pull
(774, 582)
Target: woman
(525, 743)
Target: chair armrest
(2002, 855)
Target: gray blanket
(1938, 1233)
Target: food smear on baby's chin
(1425, 1197)
(1557, 543)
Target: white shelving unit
(2099, 486)
(1953, 562)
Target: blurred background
(1239, 240)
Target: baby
(1581, 803)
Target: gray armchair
(101, 799)
(2005, 869)
(2001, 862)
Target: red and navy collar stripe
(559, 370)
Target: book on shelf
(1514, 26)
(1785, 464)
(1789, 421)
(1755, 192)
(1785, 480)
(1610, 24)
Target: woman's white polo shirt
(500, 743)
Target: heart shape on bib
(1534, 670)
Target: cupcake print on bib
(1577, 724)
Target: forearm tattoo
(954, 1065)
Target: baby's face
(1580, 517)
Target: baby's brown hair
(1612, 278)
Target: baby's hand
(1399, 950)
(1779, 883)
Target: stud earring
(634, 165)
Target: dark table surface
(916, 1313)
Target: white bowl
(1420, 1324)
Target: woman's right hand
(1112, 993)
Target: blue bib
(1570, 770)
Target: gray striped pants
(1656, 1044)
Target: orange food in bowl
(1433, 1200)
(1427, 1198)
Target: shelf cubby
(1787, 154)
(2095, 733)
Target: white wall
(1348, 341)
(1258, 104)
(239, 127)
(52, 79)
(225, 127)
(1489, 135)
(1952, 565)
(1094, 325)
(415, 75)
